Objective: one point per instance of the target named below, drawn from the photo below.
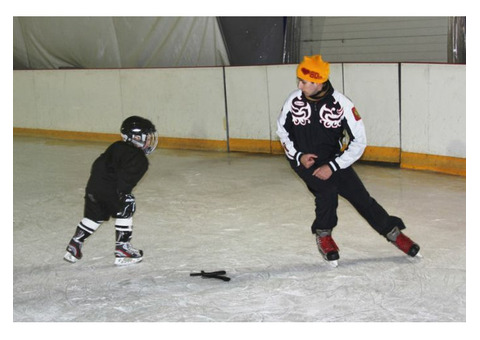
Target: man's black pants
(346, 183)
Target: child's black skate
(327, 247)
(74, 251)
(74, 248)
(125, 253)
(403, 242)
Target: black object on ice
(213, 275)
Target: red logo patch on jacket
(356, 115)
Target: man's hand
(308, 159)
(324, 172)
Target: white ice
(247, 214)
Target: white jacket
(320, 127)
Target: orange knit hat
(313, 69)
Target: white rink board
(72, 100)
(247, 98)
(182, 102)
(190, 102)
(434, 109)
(373, 88)
(24, 111)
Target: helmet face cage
(141, 133)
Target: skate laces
(126, 249)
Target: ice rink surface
(246, 214)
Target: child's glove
(127, 206)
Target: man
(313, 125)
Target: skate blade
(333, 263)
(418, 255)
(126, 261)
(70, 258)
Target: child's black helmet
(140, 132)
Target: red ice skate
(403, 242)
(327, 246)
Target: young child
(108, 193)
